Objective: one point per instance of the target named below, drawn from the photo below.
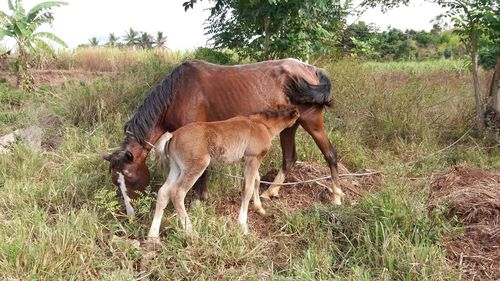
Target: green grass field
(61, 218)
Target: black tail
(300, 91)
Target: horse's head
(128, 170)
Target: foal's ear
(129, 156)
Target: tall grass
(60, 218)
(104, 59)
(419, 66)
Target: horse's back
(211, 92)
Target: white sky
(83, 19)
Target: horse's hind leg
(188, 177)
(287, 141)
(163, 198)
(312, 122)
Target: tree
(266, 29)
(146, 40)
(94, 42)
(131, 38)
(160, 40)
(112, 40)
(22, 27)
(475, 18)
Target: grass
(419, 66)
(60, 218)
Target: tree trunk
(492, 112)
(267, 37)
(475, 77)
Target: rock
(31, 135)
(6, 141)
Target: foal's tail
(301, 91)
(161, 150)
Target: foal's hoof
(152, 244)
(337, 200)
(261, 211)
(269, 195)
(196, 203)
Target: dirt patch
(55, 77)
(297, 197)
(472, 195)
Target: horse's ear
(129, 156)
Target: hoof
(196, 203)
(244, 229)
(268, 195)
(152, 244)
(261, 211)
(337, 200)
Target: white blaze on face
(123, 188)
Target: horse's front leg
(287, 142)
(313, 124)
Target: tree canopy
(275, 28)
(23, 27)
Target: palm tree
(22, 27)
(146, 40)
(131, 38)
(94, 42)
(161, 40)
(112, 40)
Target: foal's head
(281, 118)
(127, 169)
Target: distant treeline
(366, 41)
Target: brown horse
(201, 91)
(190, 149)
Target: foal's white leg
(251, 171)
(188, 177)
(273, 190)
(162, 200)
(256, 198)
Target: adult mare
(201, 91)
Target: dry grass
(472, 196)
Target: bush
(214, 56)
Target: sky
(83, 19)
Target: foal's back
(225, 141)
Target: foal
(191, 148)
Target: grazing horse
(201, 91)
(190, 149)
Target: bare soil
(297, 197)
(473, 197)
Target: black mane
(146, 116)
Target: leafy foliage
(366, 41)
(22, 26)
(264, 29)
(94, 42)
